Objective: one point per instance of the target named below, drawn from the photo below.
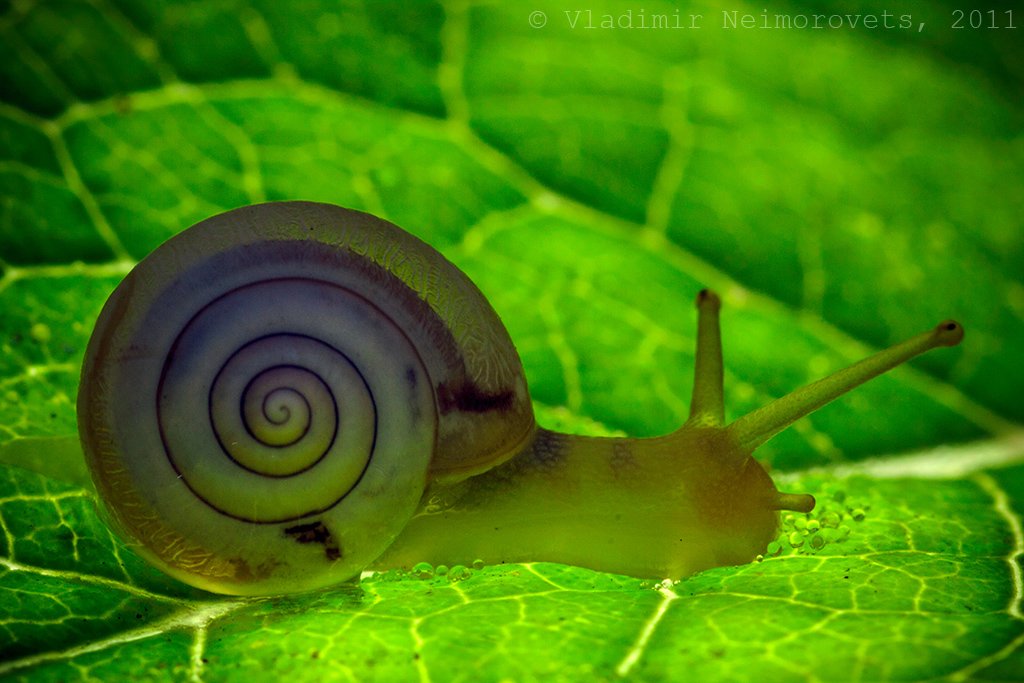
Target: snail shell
(266, 395)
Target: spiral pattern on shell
(291, 416)
(263, 396)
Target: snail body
(277, 398)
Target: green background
(842, 189)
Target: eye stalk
(948, 333)
(755, 428)
(707, 407)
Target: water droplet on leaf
(830, 520)
(459, 572)
(423, 570)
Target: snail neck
(662, 507)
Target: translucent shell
(266, 395)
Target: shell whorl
(265, 396)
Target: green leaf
(842, 188)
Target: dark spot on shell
(315, 532)
(412, 380)
(469, 398)
(242, 571)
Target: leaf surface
(842, 189)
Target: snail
(287, 394)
